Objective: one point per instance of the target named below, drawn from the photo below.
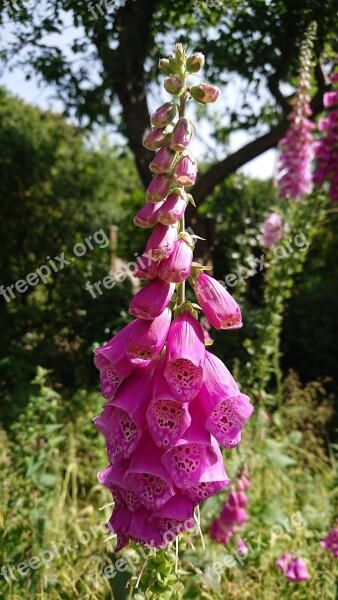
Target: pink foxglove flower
(152, 299)
(168, 419)
(176, 268)
(294, 165)
(147, 338)
(189, 457)
(147, 215)
(185, 173)
(161, 241)
(163, 160)
(147, 267)
(123, 420)
(155, 138)
(233, 515)
(331, 541)
(168, 405)
(283, 561)
(226, 408)
(158, 188)
(296, 570)
(181, 136)
(221, 310)
(112, 362)
(213, 480)
(164, 114)
(185, 357)
(172, 209)
(272, 230)
(326, 154)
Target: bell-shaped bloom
(172, 209)
(219, 307)
(146, 475)
(181, 136)
(331, 541)
(296, 570)
(155, 138)
(283, 561)
(147, 215)
(147, 338)
(161, 242)
(112, 362)
(185, 173)
(187, 460)
(174, 517)
(205, 93)
(177, 266)
(122, 419)
(152, 299)
(167, 418)
(272, 230)
(163, 160)
(112, 478)
(213, 479)
(164, 114)
(143, 531)
(185, 355)
(147, 267)
(226, 409)
(158, 188)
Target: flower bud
(161, 241)
(147, 215)
(195, 62)
(163, 160)
(205, 93)
(176, 268)
(155, 138)
(182, 135)
(164, 114)
(172, 209)
(173, 84)
(163, 65)
(185, 173)
(158, 188)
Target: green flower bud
(205, 93)
(195, 62)
(163, 65)
(173, 84)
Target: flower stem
(181, 286)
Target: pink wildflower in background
(293, 568)
(233, 515)
(294, 178)
(170, 402)
(326, 149)
(272, 230)
(331, 541)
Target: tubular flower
(219, 307)
(294, 569)
(169, 402)
(326, 149)
(294, 164)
